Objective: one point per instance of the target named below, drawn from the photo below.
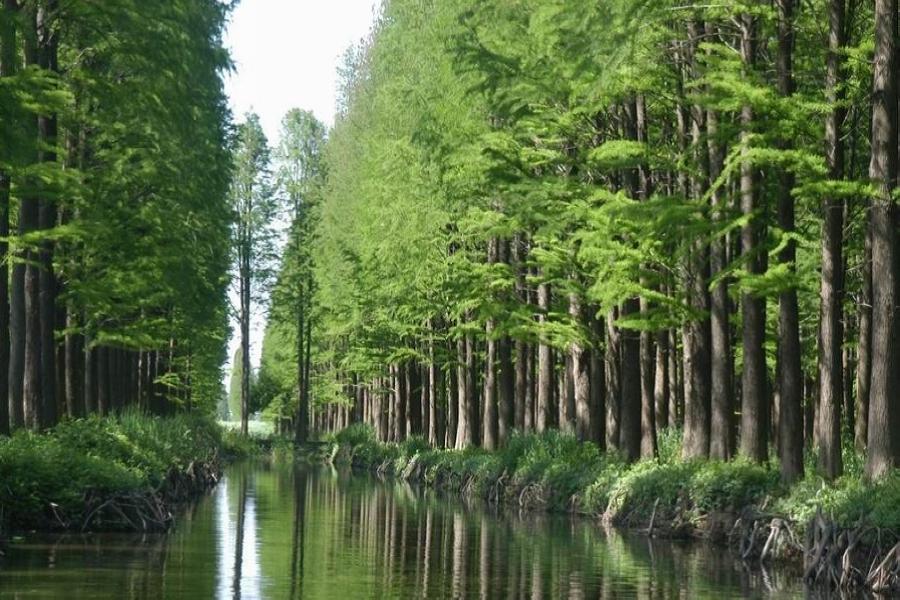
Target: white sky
(286, 55)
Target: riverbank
(119, 473)
(843, 534)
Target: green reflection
(283, 532)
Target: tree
(832, 287)
(115, 161)
(255, 207)
(882, 448)
(299, 175)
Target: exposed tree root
(145, 510)
(833, 558)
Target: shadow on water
(283, 532)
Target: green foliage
(236, 446)
(669, 442)
(355, 435)
(554, 471)
(731, 486)
(136, 176)
(413, 445)
(467, 122)
(849, 501)
(48, 479)
(638, 490)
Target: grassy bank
(115, 473)
(739, 502)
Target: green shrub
(849, 501)
(235, 445)
(718, 485)
(597, 495)
(669, 442)
(639, 488)
(563, 468)
(49, 479)
(355, 435)
(282, 449)
(885, 503)
(413, 445)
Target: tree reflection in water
(278, 531)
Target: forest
(634, 258)
(611, 220)
(114, 218)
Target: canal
(278, 531)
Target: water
(284, 532)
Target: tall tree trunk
(489, 406)
(48, 42)
(580, 374)
(73, 362)
(17, 338)
(647, 356)
(245, 344)
(7, 68)
(413, 399)
(436, 414)
(301, 424)
(401, 406)
(883, 402)
(101, 356)
(648, 398)
(598, 382)
(721, 445)
(630, 409)
(16, 371)
(522, 422)
(545, 365)
(564, 416)
(613, 382)
(530, 388)
(505, 390)
(506, 373)
(28, 223)
(90, 380)
(661, 383)
(697, 332)
(431, 374)
(489, 417)
(790, 380)
(521, 346)
(864, 349)
(307, 357)
(452, 400)
(464, 435)
(831, 335)
(676, 384)
(697, 338)
(754, 396)
(472, 396)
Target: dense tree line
(114, 216)
(612, 219)
(283, 383)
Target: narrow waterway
(283, 532)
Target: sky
(286, 54)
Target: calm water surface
(285, 532)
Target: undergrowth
(554, 471)
(55, 480)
